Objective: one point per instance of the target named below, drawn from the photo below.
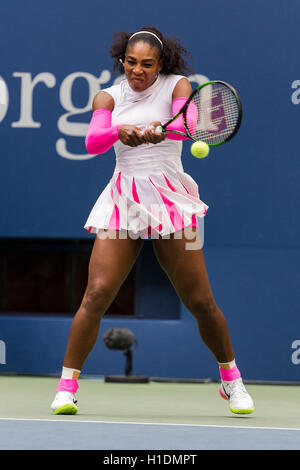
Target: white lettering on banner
(4, 99)
(27, 87)
(74, 128)
(198, 79)
(2, 352)
(65, 126)
(296, 354)
(295, 97)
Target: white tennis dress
(149, 192)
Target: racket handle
(158, 129)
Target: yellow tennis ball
(199, 149)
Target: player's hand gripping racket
(212, 114)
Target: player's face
(141, 65)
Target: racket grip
(158, 129)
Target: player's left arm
(183, 89)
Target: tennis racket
(212, 114)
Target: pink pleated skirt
(147, 205)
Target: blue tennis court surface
(174, 416)
(93, 435)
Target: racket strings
(212, 116)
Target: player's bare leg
(111, 261)
(183, 261)
(186, 270)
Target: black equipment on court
(122, 339)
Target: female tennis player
(149, 195)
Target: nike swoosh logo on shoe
(225, 393)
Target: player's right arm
(128, 134)
(103, 100)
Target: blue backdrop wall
(54, 58)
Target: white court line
(148, 424)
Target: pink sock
(67, 385)
(227, 375)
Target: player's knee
(97, 298)
(202, 306)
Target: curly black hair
(172, 53)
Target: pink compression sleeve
(177, 125)
(101, 135)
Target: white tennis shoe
(239, 399)
(64, 403)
